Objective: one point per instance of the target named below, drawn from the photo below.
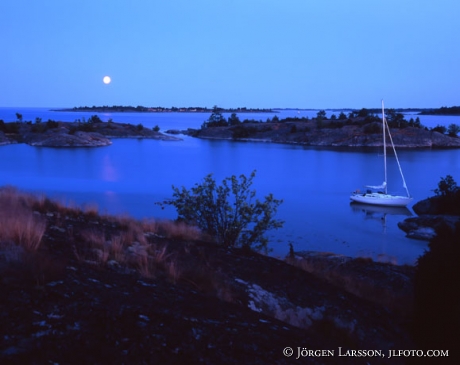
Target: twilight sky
(231, 53)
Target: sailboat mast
(384, 146)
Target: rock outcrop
(430, 218)
(76, 134)
(63, 139)
(3, 139)
(307, 133)
(72, 301)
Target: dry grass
(141, 245)
(173, 230)
(18, 223)
(117, 248)
(91, 210)
(131, 248)
(145, 267)
(21, 234)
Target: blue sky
(231, 53)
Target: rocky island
(161, 109)
(307, 134)
(358, 129)
(91, 133)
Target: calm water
(315, 184)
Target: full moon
(106, 80)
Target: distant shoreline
(450, 111)
(142, 109)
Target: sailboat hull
(381, 199)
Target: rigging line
(397, 159)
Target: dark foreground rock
(424, 227)
(430, 218)
(381, 283)
(226, 307)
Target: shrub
(85, 127)
(12, 127)
(228, 212)
(372, 128)
(437, 306)
(440, 129)
(448, 196)
(453, 130)
(94, 119)
(50, 124)
(241, 131)
(156, 129)
(446, 187)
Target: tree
(363, 113)
(453, 129)
(94, 119)
(19, 117)
(446, 187)
(448, 196)
(439, 128)
(342, 116)
(216, 119)
(394, 119)
(229, 212)
(319, 118)
(321, 115)
(234, 120)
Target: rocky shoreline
(105, 289)
(76, 134)
(308, 134)
(430, 218)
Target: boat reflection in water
(379, 212)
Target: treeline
(39, 126)
(355, 117)
(367, 118)
(453, 110)
(160, 109)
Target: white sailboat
(380, 194)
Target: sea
(132, 176)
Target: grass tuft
(152, 247)
(18, 223)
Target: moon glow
(106, 80)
